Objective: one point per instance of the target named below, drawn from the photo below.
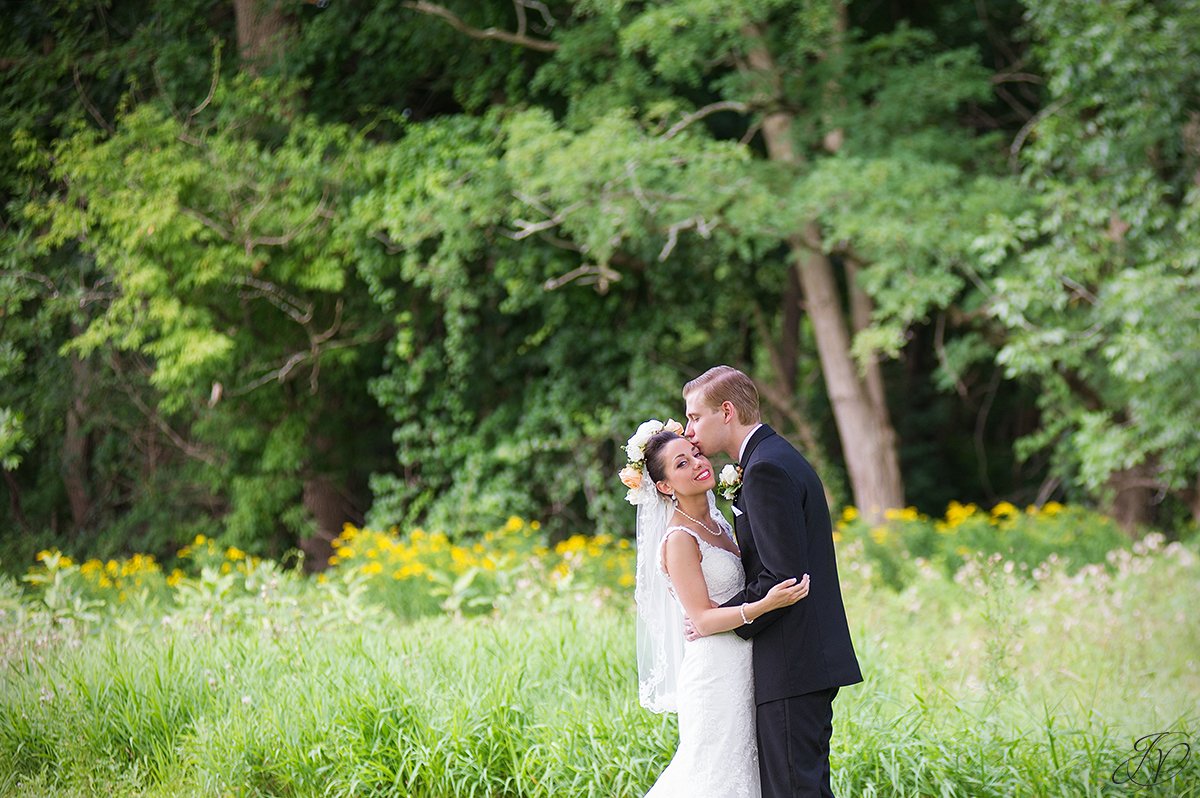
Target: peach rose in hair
(632, 477)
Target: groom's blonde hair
(722, 384)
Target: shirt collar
(745, 440)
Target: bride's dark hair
(653, 453)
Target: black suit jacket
(784, 531)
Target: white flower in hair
(644, 433)
(632, 475)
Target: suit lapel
(760, 434)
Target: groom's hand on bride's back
(690, 632)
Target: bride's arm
(681, 554)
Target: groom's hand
(690, 632)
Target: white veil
(659, 617)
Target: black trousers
(793, 745)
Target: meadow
(1008, 652)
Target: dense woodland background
(268, 267)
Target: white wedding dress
(718, 753)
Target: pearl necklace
(707, 528)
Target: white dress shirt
(745, 440)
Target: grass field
(998, 681)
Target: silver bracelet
(745, 620)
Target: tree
(1098, 293)
(784, 65)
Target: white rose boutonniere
(730, 481)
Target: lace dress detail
(718, 753)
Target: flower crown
(635, 451)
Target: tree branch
(698, 222)
(456, 22)
(208, 222)
(212, 88)
(1015, 148)
(87, 103)
(301, 312)
(520, 5)
(700, 113)
(528, 228)
(32, 277)
(598, 273)
(282, 240)
(195, 451)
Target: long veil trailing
(659, 621)
(659, 618)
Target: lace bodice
(722, 569)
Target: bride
(687, 563)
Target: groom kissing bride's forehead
(721, 406)
(802, 653)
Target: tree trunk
(864, 425)
(868, 440)
(75, 455)
(330, 510)
(1132, 504)
(14, 501)
(780, 390)
(861, 308)
(260, 29)
(1193, 501)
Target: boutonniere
(730, 481)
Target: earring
(674, 500)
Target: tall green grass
(998, 682)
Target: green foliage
(492, 413)
(214, 230)
(413, 276)
(1098, 290)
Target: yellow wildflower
(1004, 510)
(957, 513)
(849, 513)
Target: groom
(802, 653)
